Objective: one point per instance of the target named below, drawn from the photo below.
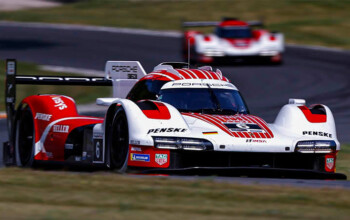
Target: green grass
(36, 194)
(82, 94)
(343, 160)
(323, 22)
(33, 194)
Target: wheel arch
(140, 122)
(20, 118)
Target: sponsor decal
(68, 146)
(163, 130)
(98, 150)
(59, 103)
(138, 149)
(132, 76)
(161, 159)
(9, 100)
(98, 135)
(203, 84)
(43, 117)
(210, 132)
(317, 133)
(229, 119)
(84, 155)
(237, 125)
(247, 127)
(135, 142)
(61, 128)
(11, 66)
(330, 163)
(125, 69)
(49, 154)
(60, 79)
(256, 141)
(9, 88)
(140, 157)
(241, 44)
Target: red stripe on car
(312, 117)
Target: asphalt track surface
(316, 74)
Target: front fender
(143, 124)
(300, 121)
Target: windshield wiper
(214, 98)
(218, 111)
(229, 111)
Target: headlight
(213, 53)
(178, 143)
(268, 53)
(315, 147)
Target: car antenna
(188, 53)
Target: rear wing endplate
(124, 75)
(200, 23)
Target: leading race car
(174, 120)
(232, 40)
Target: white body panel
(289, 127)
(218, 47)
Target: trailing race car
(174, 120)
(232, 40)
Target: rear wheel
(25, 138)
(118, 141)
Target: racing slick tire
(118, 141)
(24, 138)
(276, 60)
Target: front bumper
(249, 172)
(252, 164)
(228, 59)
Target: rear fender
(48, 108)
(55, 116)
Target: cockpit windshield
(234, 32)
(205, 100)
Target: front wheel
(277, 59)
(118, 141)
(24, 138)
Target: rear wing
(188, 24)
(122, 75)
(12, 79)
(200, 23)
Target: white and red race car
(174, 120)
(232, 40)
